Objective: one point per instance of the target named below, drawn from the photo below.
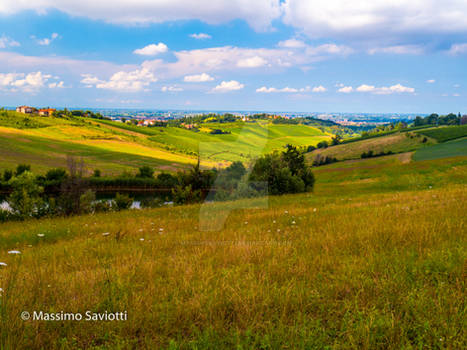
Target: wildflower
(161, 229)
(40, 235)
(106, 234)
(141, 239)
(140, 230)
(246, 222)
(278, 230)
(274, 221)
(14, 252)
(3, 264)
(293, 222)
(286, 212)
(314, 209)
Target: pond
(138, 197)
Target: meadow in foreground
(354, 265)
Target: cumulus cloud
(268, 90)
(7, 42)
(345, 89)
(458, 49)
(227, 86)
(197, 78)
(398, 50)
(292, 44)
(319, 89)
(46, 41)
(200, 36)
(133, 81)
(151, 49)
(398, 88)
(376, 20)
(258, 13)
(252, 62)
(57, 85)
(171, 89)
(25, 82)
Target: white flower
(140, 230)
(246, 222)
(141, 239)
(40, 235)
(1, 290)
(14, 252)
(314, 209)
(106, 234)
(293, 222)
(161, 229)
(3, 264)
(278, 230)
(286, 212)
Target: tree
(97, 173)
(145, 172)
(122, 202)
(336, 140)
(7, 175)
(57, 174)
(21, 168)
(25, 200)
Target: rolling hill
(45, 142)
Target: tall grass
(362, 269)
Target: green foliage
(145, 172)
(25, 200)
(7, 175)
(96, 173)
(21, 168)
(57, 174)
(283, 173)
(121, 202)
(86, 202)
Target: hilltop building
(24, 109)
(46, 111)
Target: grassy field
(375, 258)
(446, 133)
(396, 143)
(45, 142)
(457, 147)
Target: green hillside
(442, 134)
(45, 142)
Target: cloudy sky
(289, 55)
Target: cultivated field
(376, 257)
(45, 142)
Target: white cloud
(398, 88)
(319, 89)
(292, 44)
(258, 13)
(329, 49)
(25, 82)
(345, 89)
(46, 41)
(7, 42)
(171, 89)
(268, 90)
(456, 95)
(398, 50)
(151, 49)
(198, 78)
(200, 36)
(57, 85)
(431, 81)
(252, 62)
(227, 86)
(458, 49)
(375, 19)
(133, 81)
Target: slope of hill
(45, 142)
(374, 258)
(446, 133)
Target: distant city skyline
(267, 55)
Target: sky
(387, 56)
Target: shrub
(21, 168)
(145, 171)
(97, 173)
(86, 202)
(7, 175)
(25, 200)
(121, 202)
(57, 174)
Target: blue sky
(292, 55)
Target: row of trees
(435, 119)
